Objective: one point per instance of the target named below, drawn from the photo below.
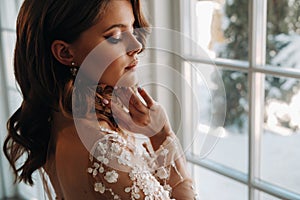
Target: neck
(104, 95)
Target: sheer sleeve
(171, 169)
(123, 169)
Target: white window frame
(257, 69)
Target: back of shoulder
(73, 143)
(77, 139)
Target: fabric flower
(103, 160)
(128, 189)
(125, 158)
(162, 173)
(102, 148)
(115, 148)
(99, 187)
(111, 177)
(168, 187)
(164, 152)
(101, 170)
(137, 196)
(94, 171)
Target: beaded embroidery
(148, 171)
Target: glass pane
(212, 186)
(264, 196)
(221, 28)
(204, 107)
(232, 147)
(36, 192)
(2, 130)
(8, 13)
(15, 100)
(280, 158)
(283, 33)
(9, 40)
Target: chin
(129, 79)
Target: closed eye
(114, 39)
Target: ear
(62, 52)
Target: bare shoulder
(73, 143)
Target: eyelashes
(115, 39)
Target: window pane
(229, 146)
(2, 130)
(212, 186)
(283, 33)
(8, 13)
(232, 148)
(9, 40)
(15, 100)
(205, 108)
(36, 192)
(280, 158)
(264, 196)
(221, 28)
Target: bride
(55, 133)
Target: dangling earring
(73, 69)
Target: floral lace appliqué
(112, 153)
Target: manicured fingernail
(105, 101)
(140, 89)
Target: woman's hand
(148, 118)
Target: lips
(132, 65)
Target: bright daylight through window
(255, 44)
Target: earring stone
(73, 69)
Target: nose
(134, 46)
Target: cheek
(103, 59)
(83, 47)
(113, 54)
(114, 71)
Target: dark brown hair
(46, 84)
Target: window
(254, 44)
(10, 100)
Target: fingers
(131, 100)
(139, 118)
(128, 97)
(137, 104)
(147, 124)
(148, 99)
(119, 113)
(126, 121)
(145, 115)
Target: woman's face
(115, 42)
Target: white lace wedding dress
(127, 167)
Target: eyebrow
(117, 26)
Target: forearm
(158, 139)
(171, 170)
